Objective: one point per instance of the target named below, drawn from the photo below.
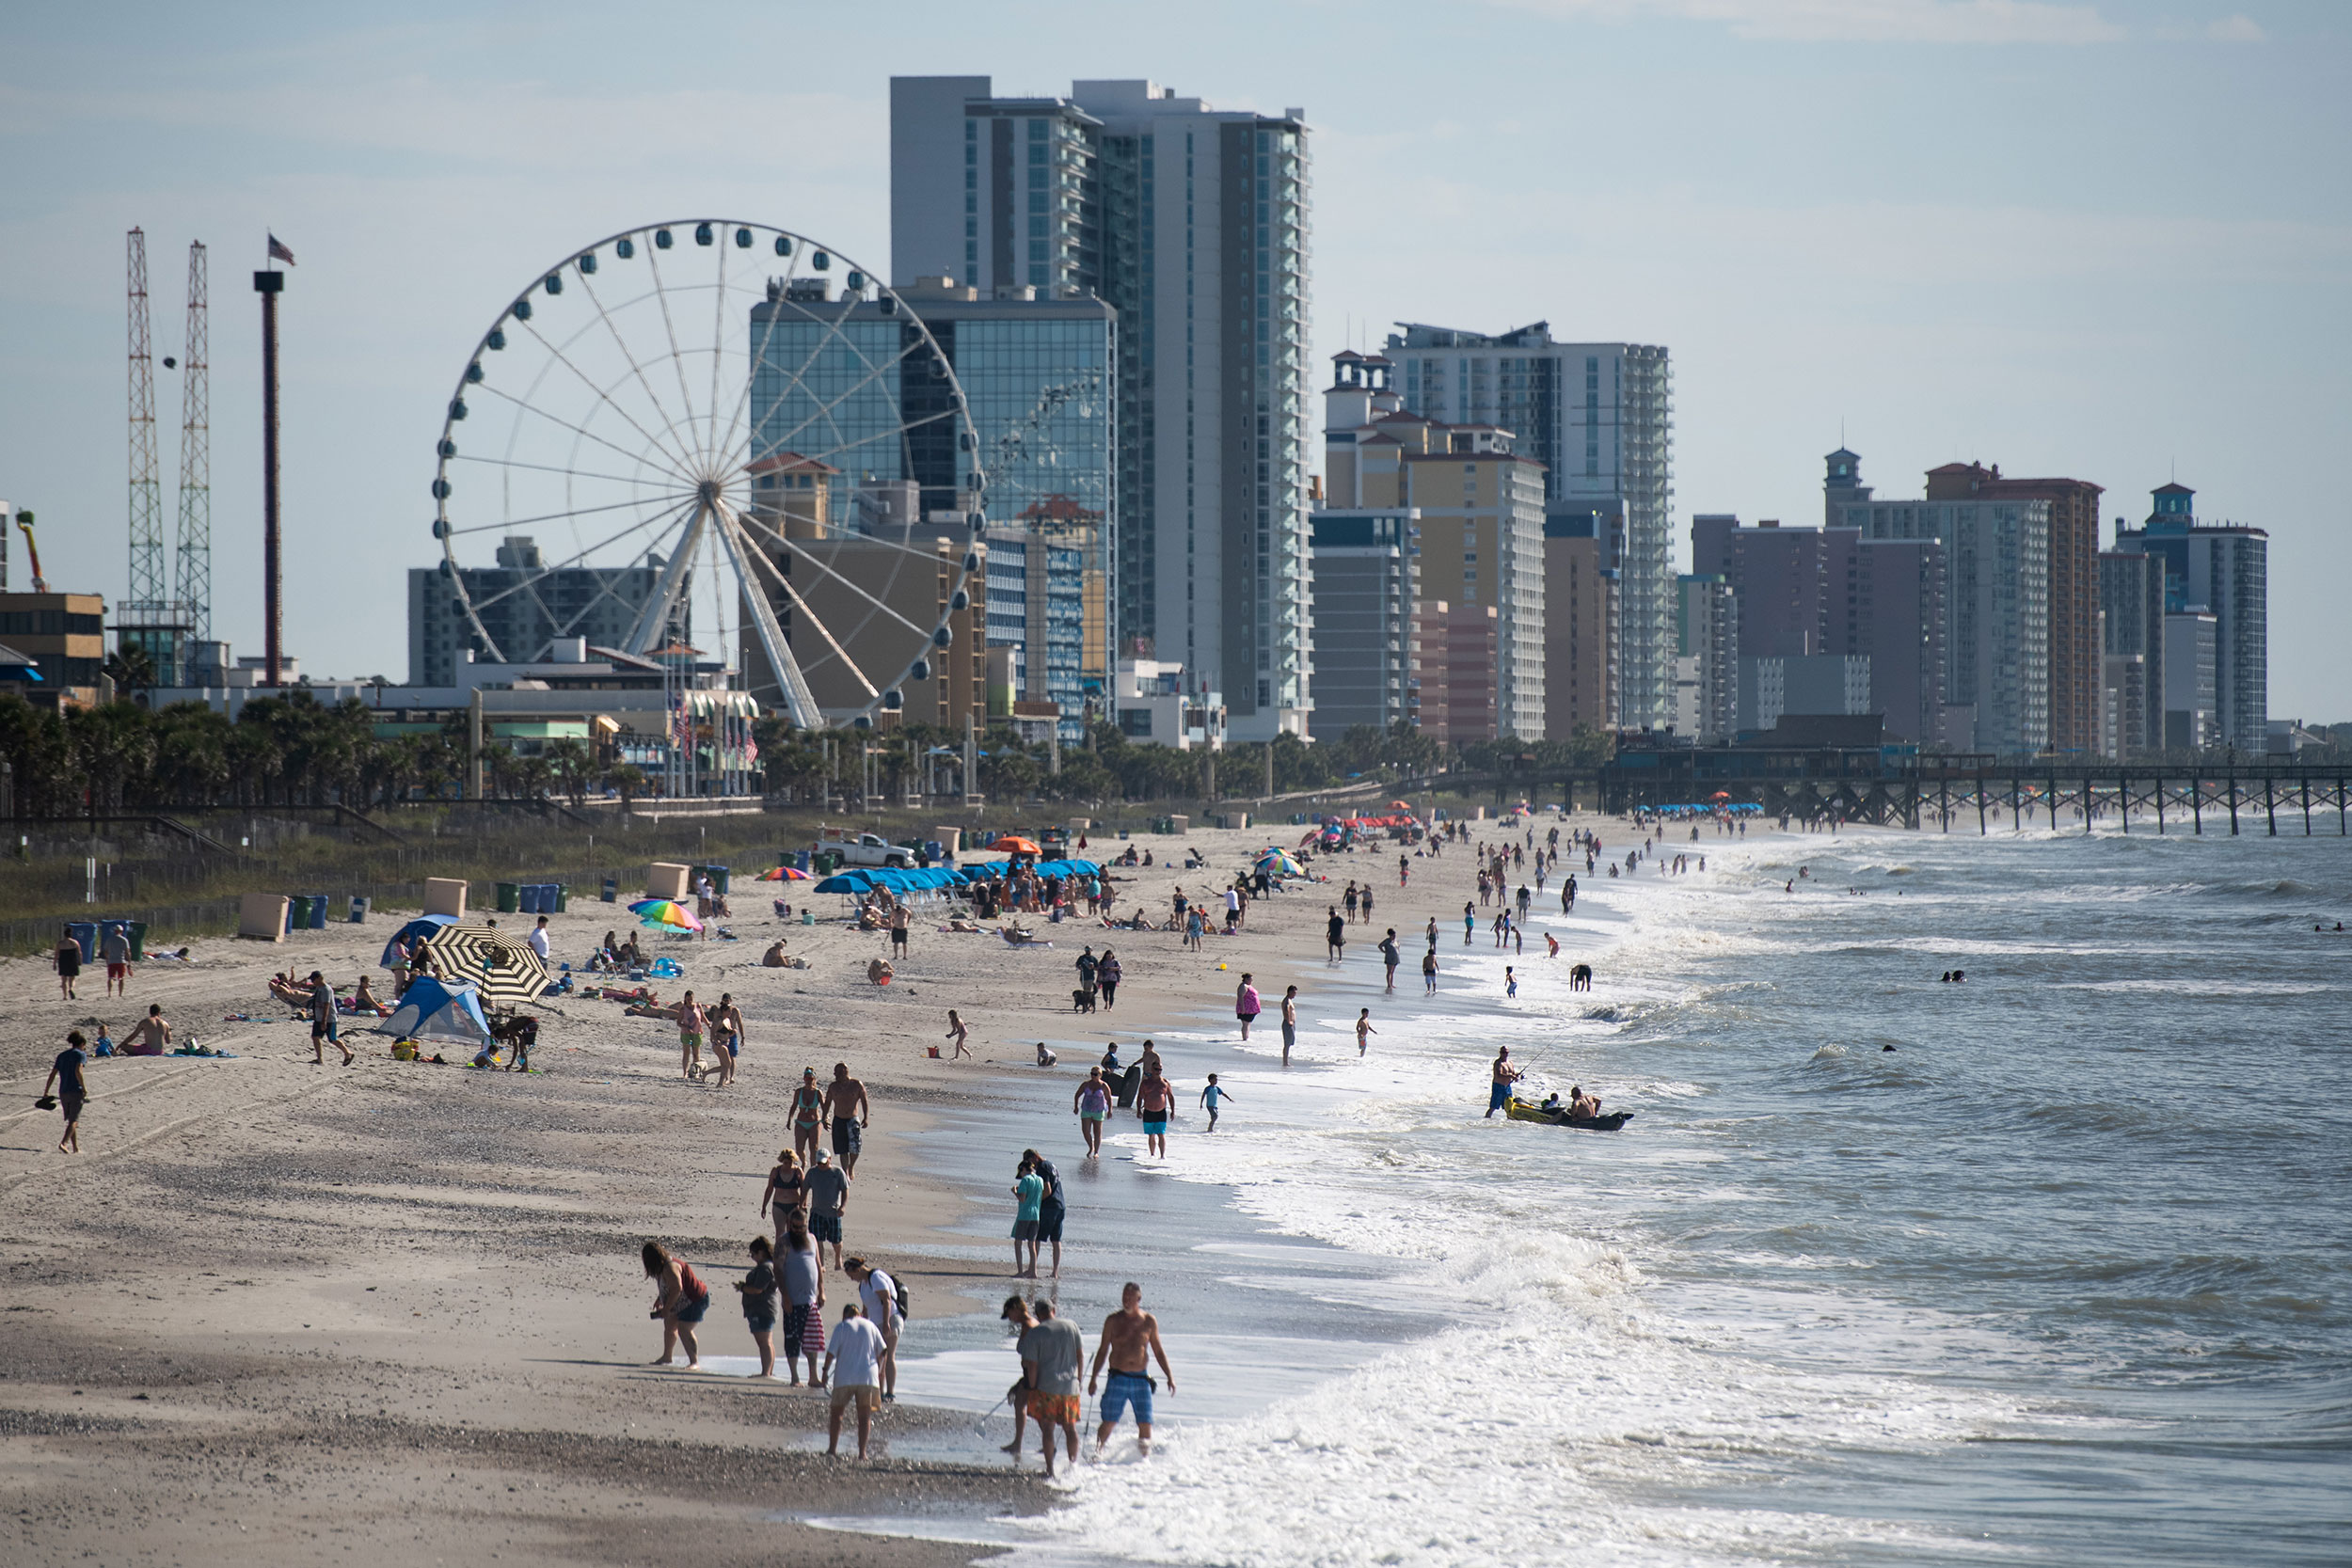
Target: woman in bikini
(808, 1116)
(786, 1194)
(692, 1023)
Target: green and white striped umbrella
(504, 969)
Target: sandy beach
(281, 1312)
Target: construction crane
(32, 552)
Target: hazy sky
(2110, 240)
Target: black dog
(1082, 999)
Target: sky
(2111, 241)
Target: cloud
(1865, 20)
(2237, 29)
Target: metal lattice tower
(146, 532)
(196, 462)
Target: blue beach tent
(423, 926)
(429, 1010)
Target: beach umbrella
(504, 969)
(429, 1010)
(1015, 844)
(1276, 863)
(423, 926)
(664, 914)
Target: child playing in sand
(956, 1032)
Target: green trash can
(138, 942)
(563, 898)
(510, 897)
(718, 879)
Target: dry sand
(284, 1313)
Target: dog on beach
(1082, 999)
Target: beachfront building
(1461, 645)
(1480, 506)
(2131, 621)
(59, 641)
(1367, 573)
(1996, 601)
(1158, 706)
(1706, 658)
(1039, 379)
(2222, 569)
(2192, 682)
(1599, 418)
(1191, 222)
(1581, 622)
(528, 609)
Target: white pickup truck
(866, 848)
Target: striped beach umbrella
(504, 969)
(664, 914)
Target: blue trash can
(359, 910)
(84, 935)
(527, 898)
(318, 911)
(612, 890)
(106, 927)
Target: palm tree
(572, 763)
(131, 669)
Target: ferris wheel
(691, 426)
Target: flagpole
(269, 283)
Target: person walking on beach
(900, 923)
(786, 1192)
(957, 1032)
(69, 962)
(854, 1363)
(1052, 1349)
(1087, 963)
(1028, 1193)
(1016, 1313)
(1106, 976)
(1091, 1105)
(1334, 935)
(114, 946)
(1499, 1092)
(828, 1193)
(1245, 1005)
(691, 1024)
(1367, 903)
(879, 1293)
(1155, 1102)
(1290, 1022)
(1389, 958)
(1350, 900)
(679, 1300)
(1429, 971)
(808, 1116)
(802, 1271)
(1470, 922)
(1051, 1211)
(726, 1037)
(1364, 1031)
(1510, 981)
(65, 1076)
(758, 1290)
(1128, 1335)
(1210, 1098)
(851, 1112)
(323, 1021)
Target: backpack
(898, 1289)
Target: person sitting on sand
(774, 958)
(879, 972)
(630, 954)
(364, 1000)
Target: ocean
(2060, 1278)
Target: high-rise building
(1806, 592)
(1599, 418)
(2191, 680)
(1192, 224)
(1458, 650)
(1996, 600)
(2131, 616)
(2074, 637)
(1481, 508)
(527, 606)
(2222, 569)
(1581, 622)
(1706, 658)
(1367, 565)
(832, 385)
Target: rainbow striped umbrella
(660, 913)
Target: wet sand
(274, 1305)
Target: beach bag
(898, 1286)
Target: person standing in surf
(1245, 1005)
(1499, 1092)
(1128, 1335)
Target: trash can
(84, 935)
(106, 929)
(527, 897)
(562, 895)
(718, 879)
(359, 910)
(510, 896)
(138, 942)
(825, 862)
(318, 911)
(297, 911)
(612, 890)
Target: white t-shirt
(856, 1348)
(538, 940)
(1232, 898)
(879, 1294)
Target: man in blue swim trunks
(1499, 1094)
(1128, 1334)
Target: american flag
(278, 252)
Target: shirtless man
(1126, 1335)
(1505, 1075)
(152, 1035)
(851, 1112)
